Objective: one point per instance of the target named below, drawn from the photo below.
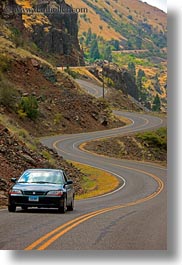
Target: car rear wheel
(71, 207)
(11, 208)
(63, 208)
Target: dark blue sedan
(42, 188)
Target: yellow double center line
(45, 241)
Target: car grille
(33, 192)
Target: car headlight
(15, 192)
(55, 193)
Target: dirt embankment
(147, 146)
(62, 106)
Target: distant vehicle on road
(42, 188)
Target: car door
(69, 189)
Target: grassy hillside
(145, 146)
(119, 19)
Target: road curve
(130, 218)
(93, 89)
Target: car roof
(44, 169)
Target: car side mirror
(69, 182)
(14, 180)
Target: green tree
(88, 37)
(115, 44)
(157, 84)
(138, 42)
(129, 45)
(17, 37)
(156, 103)
(141, 73)
(132, 69)
(139, 81)
(94, 50)
(108, 53)
(141, 91)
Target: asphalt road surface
(93, 89)
(134, 217)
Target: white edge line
(109, 193)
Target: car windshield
(55, 177)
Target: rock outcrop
(59, 36)
(51, 26)
(122, 80)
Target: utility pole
(103, 85)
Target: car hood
(37, 187)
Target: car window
(42, 177)
(65, 178)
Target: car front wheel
(63, 208)
(11, 208)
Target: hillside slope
(45, 101)
(53, 36)
(148, 146)
(123, 20)
(131, 34)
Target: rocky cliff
(3, 6)
(122, 80)
(59, 35)
(53, 31)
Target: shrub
(72, 73)
(109, 82)
(130, 17)
(17, 38)
(8, 94)
(48, 157)
(57, 119)
(29, 106)
(155, 139)
(21, 114)
(4, 63)
(48, 73)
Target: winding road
(133, 217)
(94, 89)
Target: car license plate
(33, 198)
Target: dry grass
(138, 10)
(24, 3)
(97, 25)
(8, 47)
(83, 71)
(96, 182)
(35, 19)
(124, 119)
